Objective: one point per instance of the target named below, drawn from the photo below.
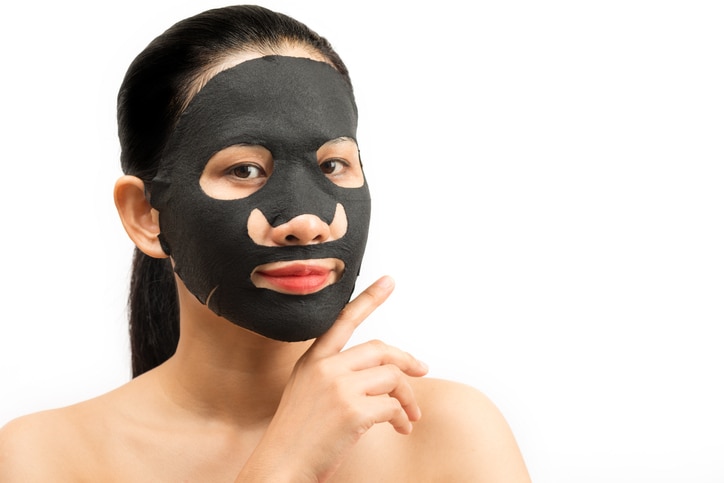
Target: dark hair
(155, 90)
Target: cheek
(338, 228)
(258, 227)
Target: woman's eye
(339, 161)
(332, 166)
(247, 171)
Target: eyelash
(341, 161)
(232, 171)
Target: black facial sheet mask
(290, 106)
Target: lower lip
(300, 284)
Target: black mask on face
(290, 106)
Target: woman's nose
(304, 229)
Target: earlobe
(139, 219)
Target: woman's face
(240, 170)
(262, 198)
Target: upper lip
(295, 270)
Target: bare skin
(260, 410)
(231, 405)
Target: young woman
(245, 196)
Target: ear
(138, 217)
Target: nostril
(300, 230)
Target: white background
(548, 189)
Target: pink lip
(297, 278)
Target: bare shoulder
(50, 445)
(29, 447)
(464, 435)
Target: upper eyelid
(348, 154)
(229, 158)
(335, 158)
(229, 169)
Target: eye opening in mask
(237, 171)
(339, 160)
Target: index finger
(352, 316)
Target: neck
(223, 371)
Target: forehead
(236, 58)
(273, 100)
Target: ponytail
(153, 312)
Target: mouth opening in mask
(298, 277)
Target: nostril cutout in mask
(261, 230)
(291, 106)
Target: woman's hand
(334, 396)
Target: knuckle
(369, 295)
(355, 416)
(392, 372)
(378, 346)
(395, 407)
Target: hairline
(228, 60)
